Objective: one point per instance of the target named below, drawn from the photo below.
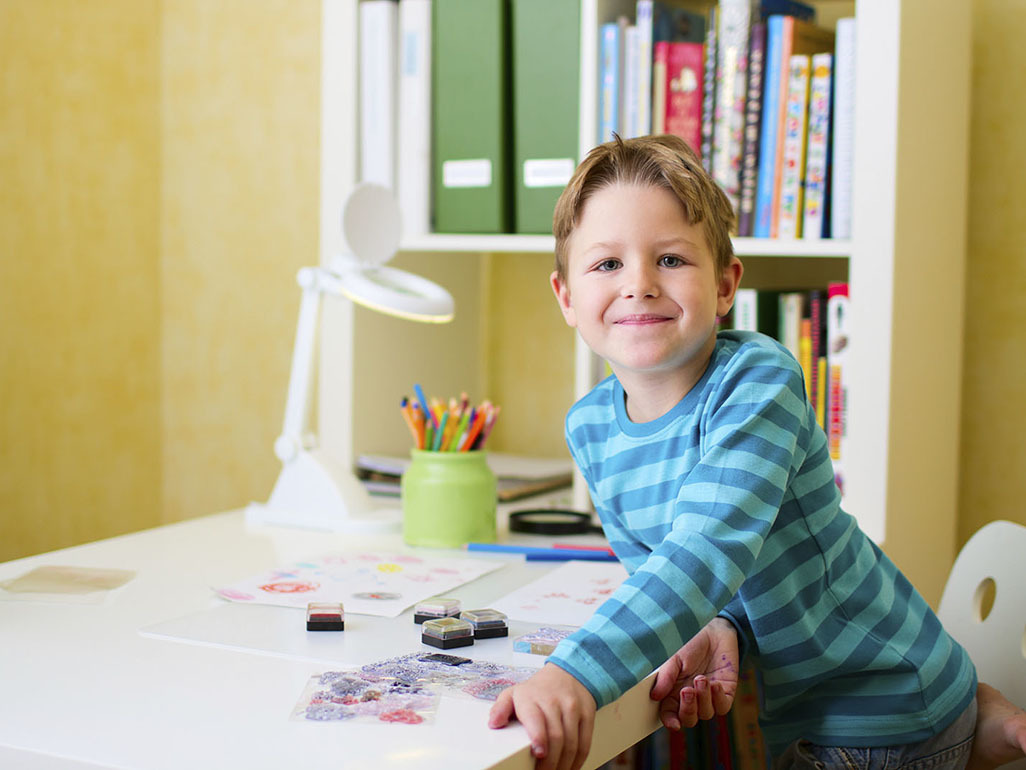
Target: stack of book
(477, 111)
(813, 326)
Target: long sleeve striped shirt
(727, 505)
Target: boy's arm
(754, 434)
(558, 713)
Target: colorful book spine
(805, 356)
(682, 95)
(749, 745)
(837, 387)
(792, 170)
(817, 153)
(709, 91)
(768, 132)
(842, 159)
(610, 75)
(660, 84)
(817, 321)
(753, 120)
(732, 68)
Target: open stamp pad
(325, 616)
(436, 607)
(446, 633)
(488, 624)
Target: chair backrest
(984, 607)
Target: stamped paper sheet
(366, 583)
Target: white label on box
(467, 173)
(548, 172)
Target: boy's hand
(700, 679)
(558, 713)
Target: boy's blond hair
(664, 161)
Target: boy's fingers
(704, 698)
(534, 721)
(721, 700)
(666, 676)
(585, 733)
(502, 709)
(688, 710)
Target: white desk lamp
(313, 490)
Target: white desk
(81, 687)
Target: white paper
(367, 583)
(566, 596)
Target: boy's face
(641, 284)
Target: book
(792, 304)
(837, 385)
(470, 116)
(611, 54)
(643, 92)
(679, 90)
(785, 36)
(817, 152)
(413, 172)
(709, 91)
(731, 71)
(843, 141)
(816, 303)
(632, 55)
(516, 476)
(792, 171)
(749, 744)
(794, 8)
(545, 40)
(593, 14)
(757, 310)
(379, 83)
(753, 119)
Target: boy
(715, 489)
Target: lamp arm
(297, 404)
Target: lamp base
(312, 493)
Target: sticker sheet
(566, 596)
(367, 583)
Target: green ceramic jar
(448, 499)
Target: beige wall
(159, 167)
(993, 454)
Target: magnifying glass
(552, 521)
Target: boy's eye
(670, 260)
(608, 264)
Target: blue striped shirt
(727, 505)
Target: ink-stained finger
(722, 702)
(688, 710)
(704, 698)
(668, 709)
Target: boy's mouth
(642, 319)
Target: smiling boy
(715, 489)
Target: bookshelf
(904, 263)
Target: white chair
(984, 608)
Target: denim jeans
(948, 749)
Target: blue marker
(424, 405)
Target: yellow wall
(79, 286)
(240, 103)
(159, 189)
(993, 453)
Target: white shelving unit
(905, 263)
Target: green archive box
(546, 77)
(470, 116)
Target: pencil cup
(448, 499)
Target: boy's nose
(639, 281)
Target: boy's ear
(562, 292)
(728, 283)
